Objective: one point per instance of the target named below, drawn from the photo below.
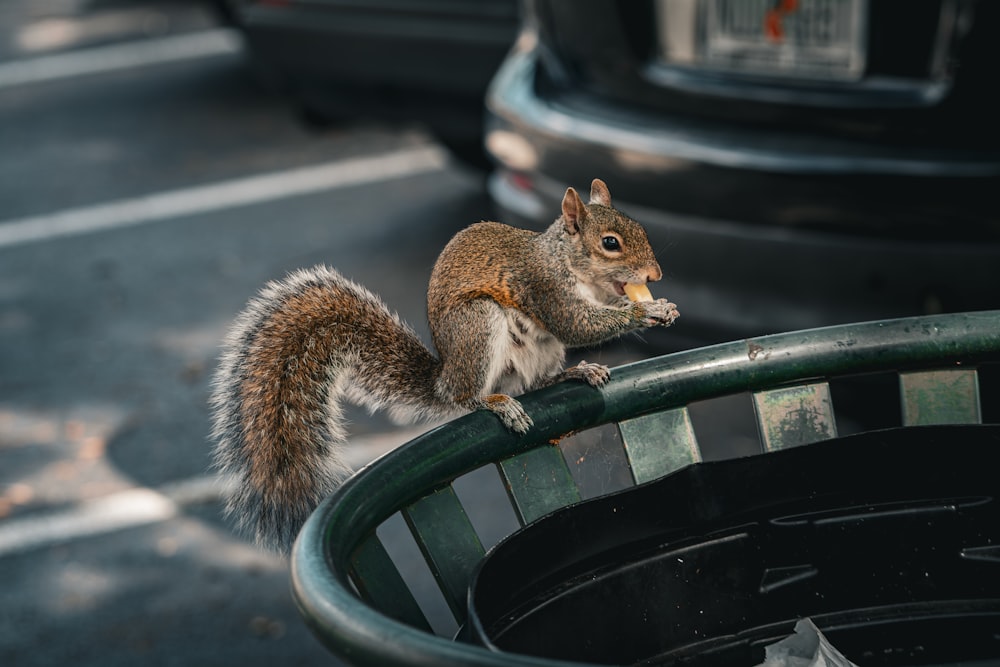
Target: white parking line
(145, 506)
(120, 510)
(223, 195)
(97, 60)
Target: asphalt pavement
(141, 205)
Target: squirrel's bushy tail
(299, 347)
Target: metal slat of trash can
(538, 482)
(379, 582)
(793, 416)
(448, 542)
(949, 396)
(362, 635)
(659, 443)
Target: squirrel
(503, 305)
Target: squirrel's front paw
(596, 375)
(510, 412)
(660, 313)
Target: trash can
(351, 593)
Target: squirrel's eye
(611, 244)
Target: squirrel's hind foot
(510, 412)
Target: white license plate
(817, 39)
(808, 39)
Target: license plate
(808, 39)
(820, 39)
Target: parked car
(424, 60)
(798, 162)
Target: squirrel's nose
(653, 273)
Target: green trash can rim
(361, 635)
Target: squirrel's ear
(599, 193)
(573, 211)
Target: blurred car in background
(798, 162)
(423, 60)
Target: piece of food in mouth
(637, 292)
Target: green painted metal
(379, 583)
(948, 396)
(360, 634)
(448, 542)
(659, 443)
(597, 461)
(538, 482)
(793, 416)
